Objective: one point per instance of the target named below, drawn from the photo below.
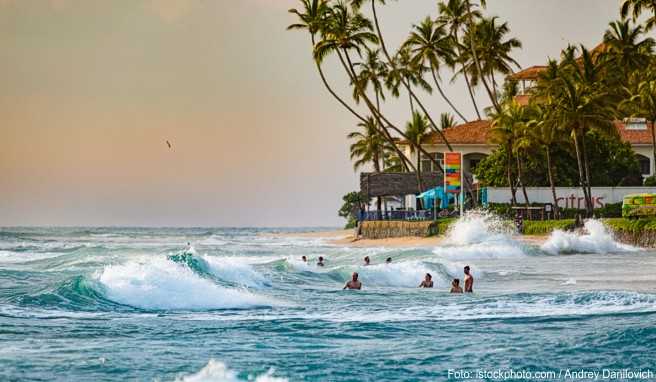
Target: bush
(443, 225)
(650, 181)
(545, 227)
(632, 226)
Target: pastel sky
(90, 90)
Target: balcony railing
(397, 215)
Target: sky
(91, 90)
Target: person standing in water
(469, 281)
(428, 281)
(455, 286)
(367, 261)
(320, 263)
(304, 258)
(353, 283)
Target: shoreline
(345, 238)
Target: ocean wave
(235, 270)
(157, 283)
(595, 239)
(217, 371)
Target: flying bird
(169, 144)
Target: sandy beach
(347, 238)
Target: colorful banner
(452, 172)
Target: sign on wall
(453, 172)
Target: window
(473, 163)
(635, 123)
(428, 166)
(645, 165)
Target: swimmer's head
(366, 259)
(466, 269)
(355, 276)
(320, 258)
(456, 282)
(428, 277)
(389, 260)
(304, 258)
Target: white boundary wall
(568, 197)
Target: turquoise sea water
(98, 304)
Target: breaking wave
(217, 371)
(595, 239)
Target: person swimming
(353, 283)
(367, 261)
(320, 262)
(469, 281)
(389, 260)
(304, 258)
(455, 286)
(428, 281)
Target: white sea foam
(236, 270)
(214, 240)
(400, 274)
(217, 371)
(595, 239)
(156, 283)
(479, 235)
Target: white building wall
(568, 197)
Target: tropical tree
(454, 14)
(372, 73)
(493, 53)
(635, 8)
(643, 104)
(626, 50)
(431, 45)
(369, 148)
(417, 129)
(446, 121)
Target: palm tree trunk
(439, 89)
(464, 73)
(511, 184)
(412, 106)
(579, 162)
(653, 144)
(471, 94)
(589, 207)
(521, 181)
(552, 184)
(332, 92)
(348, 66)
(405, 83)
(472, 46)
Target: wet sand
(347, 238)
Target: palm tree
(454, 15)
(403, 72)
(372, 71)
(509, 131)
(493, 52)
(417, 130)
(446, 121)
(431, 46)
(543, 132)
(636, 7)
(369, 147)
(643, 104)
(625, 51)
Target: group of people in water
(354, 283)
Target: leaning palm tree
(453, 14)
(430, 45)
(635, 8)
(312, 18)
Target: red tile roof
(634, 137)
(531, 73)
(470, 133)
(476, 133)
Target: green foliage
(632, 226)
(545, 227)
(353, 202)
(612, 163)
(650, 181)
(443, 225)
